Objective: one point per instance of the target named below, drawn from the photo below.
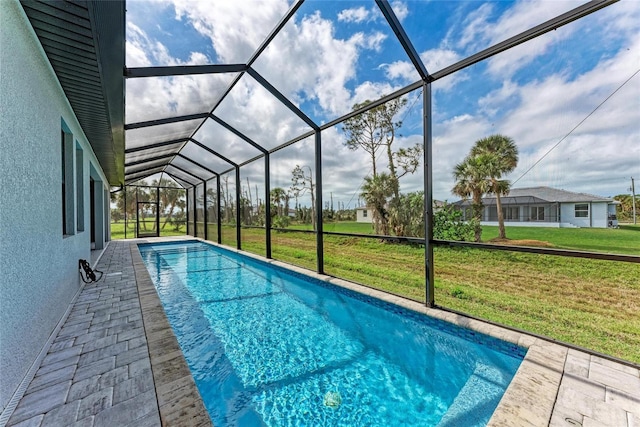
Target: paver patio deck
(115, 362)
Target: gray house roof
(533, 195)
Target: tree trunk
(392, 169)
(168, 217)
(373, 163)
(503, 234)
(477, 215)
(313, 206)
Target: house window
(79, 188)
(64, 186)
(364, 213)
(66, 162)
(511, 213)
(582, 210)
(537, 213)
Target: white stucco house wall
(547, 207)
(55, 198)
(364, 214)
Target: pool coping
(179, 400)
(531, 398)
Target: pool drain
(332, 399)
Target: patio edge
(179, 401)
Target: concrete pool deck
(113, 360)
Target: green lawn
(339, 227)
(117, 230)
(623, 240)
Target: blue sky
(333, 54)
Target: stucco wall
(508, 224)
(38, 267)
(361, 218)
(597, 215)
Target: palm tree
(471, 182)
(500, 157)
(277, 198)
(170, 194)
(376, 190)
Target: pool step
(478, 398)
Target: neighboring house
(364, 214)
(62, 149)
(547, 207)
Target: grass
(339, 227)
(623, 240)
(117, 230)
(591, 303)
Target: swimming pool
(267, 346)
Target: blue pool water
(268, 347)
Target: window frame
(582, 209)
(67, 157)
(507, 213)
(536, 217)
(79, 153)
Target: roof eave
(98, 27)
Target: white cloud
(141, 51)
(308, 63)
(557, 99)
(494, 102)
(506, 64)
(372, 91)
(473, 24)
(452, 140)
(400, 9)
(482, 29)
(198, 58)
(403, 70)
(361, 14)
(260, 116)
(235, 28)
(355, 14)
(437, 59)
(160, 97)
(372, 41)
(434, 60)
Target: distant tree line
(171, 203)
(624, 210)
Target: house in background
(547, 207)
(364, 214)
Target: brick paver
(597, 392)
(97, 371)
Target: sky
(570, 99)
